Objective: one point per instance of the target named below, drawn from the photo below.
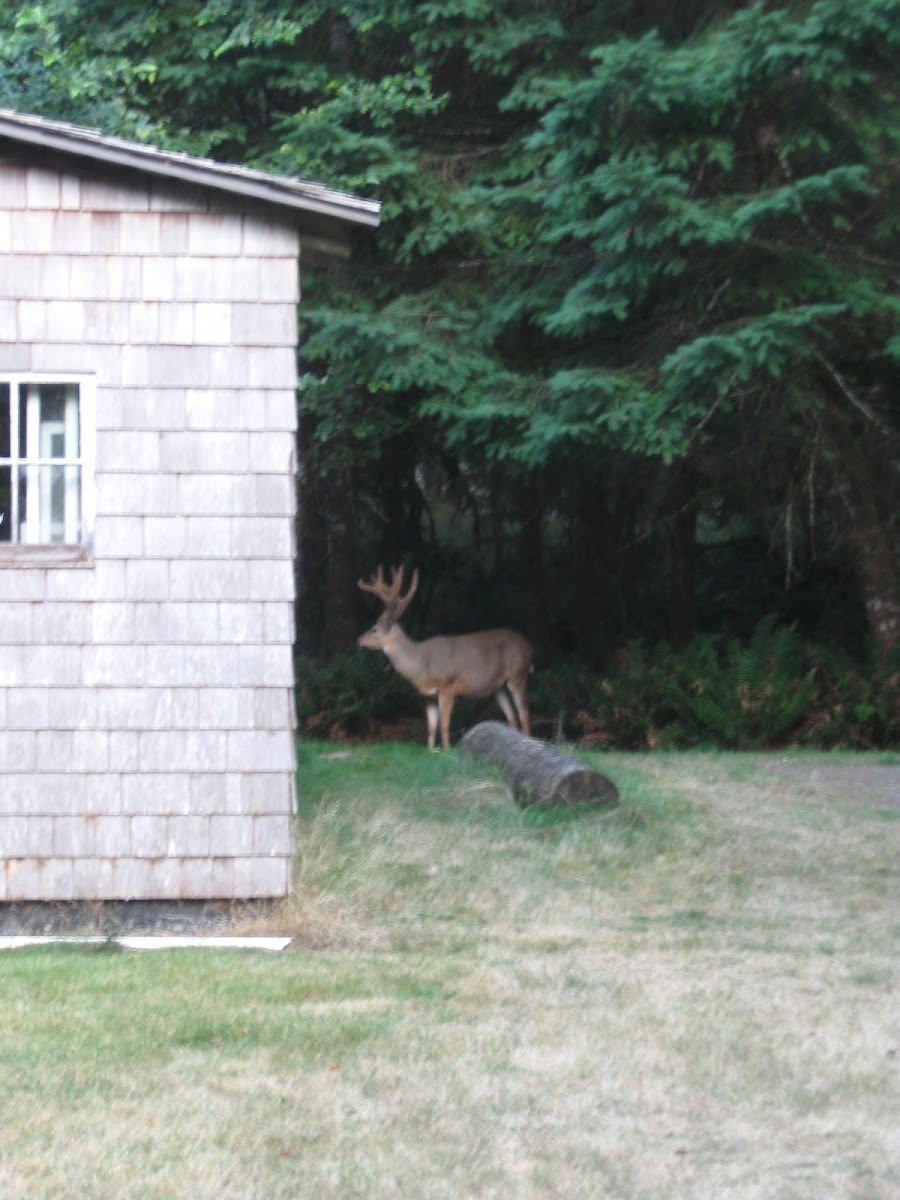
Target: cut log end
(539, 775)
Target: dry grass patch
(693, 998)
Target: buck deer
(442, 668)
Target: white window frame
(55, 553)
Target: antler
(395, 605)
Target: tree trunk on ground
(538, 775)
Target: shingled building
(147, 438)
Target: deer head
(395, 604)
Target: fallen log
(538, 775)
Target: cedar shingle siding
(146, 712)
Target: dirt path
(875, 785)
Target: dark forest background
(620, 366)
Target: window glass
(5, 504)
(41, 473)
(5, 421)
(5, 471)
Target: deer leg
(517, 690)
(431, 715)
(506, 704)
(445, 704)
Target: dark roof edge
(283, 191)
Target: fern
(859, 702)
(744, 696)
(772, 690)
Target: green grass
(692, 996)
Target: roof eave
(283, 193)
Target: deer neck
(403, 653)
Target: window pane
(5, 418)
(5, 504)
(49, 424)
(46, 480)
(22, 532)
(49, 504)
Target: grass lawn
(692, 997)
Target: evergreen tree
(634, 289)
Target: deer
(494, 661)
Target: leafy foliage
(350, 694)
(636, 275)
(771, 690)
(742, 696)
(858, 702)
